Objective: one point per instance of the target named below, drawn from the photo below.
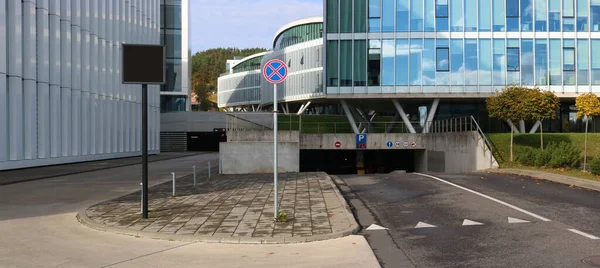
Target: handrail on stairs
(487, 142)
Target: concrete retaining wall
(263, 136)
(457, 153)
(257, 157)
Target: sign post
(144, 64)
(275, 72)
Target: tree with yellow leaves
(588, 105)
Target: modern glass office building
(175, 96)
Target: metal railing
(458, 124)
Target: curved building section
(241, 86)
(297, 32)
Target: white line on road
(486, 196)
(375, 227)
(467, 222)
(584, 234)
(515, 220)
(424, 225)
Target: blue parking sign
(361, 141)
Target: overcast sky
(245, 23)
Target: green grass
(562, 171)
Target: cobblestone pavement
(235, 207)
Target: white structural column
(76, 77)
(14, 34)
(109, 79)
(43, 79)
(101, 77)
(535, 127)
(115, 35)
(29, 80)
(402, 114)
(522, 126)
(55, 117)
(3, 86)
(65, 80)
(350, 116)
(127, 88)
(510, 124)
(85, 77)
(93, 5)
(431, 115)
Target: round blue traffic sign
(390, 144)
(275, 71)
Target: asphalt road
(556, 223)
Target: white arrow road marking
(584, 234)
(470, 222)
(375, 227)
(515, 220)
(486, 196)
(424, 225)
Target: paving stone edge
(354, 227)
(568, 180)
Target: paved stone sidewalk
(232, 209)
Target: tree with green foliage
(588, 105)
(509, 104)
(541, 105)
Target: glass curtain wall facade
(249, 65)
(298, 34)
(174, 33)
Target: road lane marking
(375, 227)
(470, 222)
(584, 234)
(424, 225)
(515, 220)
(486, 196)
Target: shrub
(528, 156)
(563, 155)
(595, 166)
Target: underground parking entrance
(345, 162)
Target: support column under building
(350, 116)
(522, 126)
(431, 115)
(402, 114)
(535, 127)
(510, 124)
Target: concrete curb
(568, 180)
(354, 227)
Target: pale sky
(244, 23)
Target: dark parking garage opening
(342, 162)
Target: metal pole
(145, 151)
(173, 173)
(209, 170)
(275, 148)
(194, 175)
(142, 198)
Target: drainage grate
(593, 261)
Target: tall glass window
(569, 62)
(471, 62)
(374, 64)
(485, 62)
(374, 16)
(332, 64)
(416, 68)
(388, 55)
(416, 15)
(498, 15)
(568, 15)
(345, 63)
(333, 16)
(360, 16)
(485, 22)
(583, 57)
(554, 15)
(499, 62)
(402, 15)
(345, 16)
(402, 52)
(442, 57)
(527, 62)
(541, 62)
(526, 15)
(428, 62)
(456, 60)
(555, 67)
(360, 63)
(512, 15)
(456, 16)
(470, 15)
(582, 16)
(388, 16)
(595, 15)
(595, 45)
(513, 64)
(441, 15)
(540, 15)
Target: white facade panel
(14, 33)
(3, 113)
(29, 81)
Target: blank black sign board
(143, 64)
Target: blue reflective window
(499, 67)
(568, 24)
(540, 15)
(387, 57)
(442, 60)
(456, 16)
(374, 16)
(513, 64)
(442, 63)
(374, 63)
(471, 62)
(595, 60)
(541, 62)
(402, 16)
(402, 51)
(582, 16)
(568, 10)
(527, 62)
(498, 16)
(485, 62)
(441, 8)
(345, 63)
(526, 15)
(428, 62)
(554, 15)
(387, 19)
(555, 67)
(429, 20)
(512, 15)
(583, 61)
(568, 62)
(470, 15)
(456, 59)
(485, 22)
(416, 15)
(595, 15)
(416, 68)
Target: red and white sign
(338, 144)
